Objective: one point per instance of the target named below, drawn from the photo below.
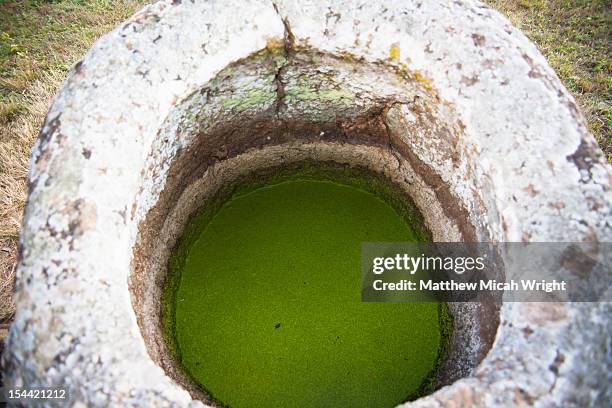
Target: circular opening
(332, 124)
(263, 304)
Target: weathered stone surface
(445, 98)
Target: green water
(268, 310)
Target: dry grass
(40, 39)
(16, 138)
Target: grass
(40, 40)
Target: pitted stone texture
(525, 169)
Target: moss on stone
(309, 93)
(251, 100)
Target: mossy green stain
(251, 100)
(268, 309)
(309, 93)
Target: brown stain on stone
(580, 260)
(530, 189)
(557, 363)
(450, 204)
(585, 157)
(542, 314)
(479, 40)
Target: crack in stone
(288, 44)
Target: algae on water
(266, 302)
